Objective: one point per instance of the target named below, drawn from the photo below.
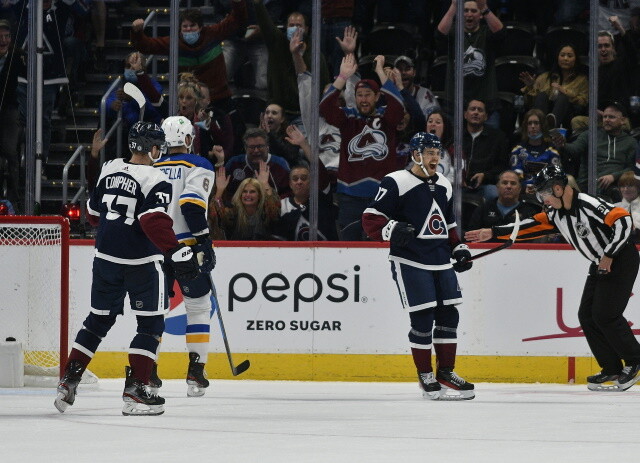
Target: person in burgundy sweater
(368, 144)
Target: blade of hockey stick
(135, 93)
(243, 366)
(512, 238)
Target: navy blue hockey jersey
(427, 205)
(124, 193)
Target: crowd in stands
(386, 72)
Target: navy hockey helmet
(145, 135)
(422, 140)
(549, 175)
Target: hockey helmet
(176, 129)
(550, 175)
(145, 135)
(422, 140)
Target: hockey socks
(422, 359)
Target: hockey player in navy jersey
(413, 210)
(192, 178)
(129, 206)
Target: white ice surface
(287, 422)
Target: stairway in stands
(77, 124)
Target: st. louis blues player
(192, 178)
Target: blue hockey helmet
(422, 140)
(145, 135)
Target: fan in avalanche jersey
(413, 210)
(192, 178)
(129, 205)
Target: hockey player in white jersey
(413, 210)
(192, 179)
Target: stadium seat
(438, 74)
(508, 114)
(250, 107)
(470, 202)
(392, 39)
(520, 39)
(508, 69)
(556, 36)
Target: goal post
(34, 290)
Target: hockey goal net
(34, 292)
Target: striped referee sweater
(593, 226)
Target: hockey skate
(603, 383)
(453, 386)
(155, 383)
(431, 388)
(196, 377)
(68, 385)
(138, 400)
(629, 376)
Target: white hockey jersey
(192, 178)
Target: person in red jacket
(200, 52)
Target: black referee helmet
(550, 175)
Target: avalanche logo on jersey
(369, 143)
(434, 226)
(474, 62)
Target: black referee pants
(603, 302)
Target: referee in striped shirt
(602, 233)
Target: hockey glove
(402, 234)
(203, 250)
(462, 256)
(183, 262)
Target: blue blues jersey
(527, 160)
(124, 193)
(427, 204)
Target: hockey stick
(135, 93)
(243, 366)
(512, 238)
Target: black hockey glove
(402, 234)
(203, 250)
(462, 256)
(184, 262)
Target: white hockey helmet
(176, 129)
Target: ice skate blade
(604, 387)
(59, 403)
(449, 394)
(628, 384)
(137, 409)
(193, 390)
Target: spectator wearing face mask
(155, 109)
(200, 52)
